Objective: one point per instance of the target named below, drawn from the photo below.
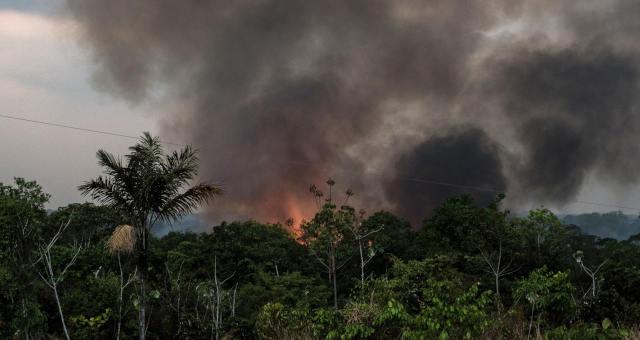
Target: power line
(79, 128)
(410, 179)
(419, 180)
(606, 205)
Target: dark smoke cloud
(281, 94)
(467, 157)
(574, 110)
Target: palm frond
(178, 169)
(186, 202)
(147, 152)
(107, 160)
(105, 191)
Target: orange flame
(294, 211)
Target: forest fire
(370, 169)
(295, 213)
(283, 95)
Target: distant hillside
(191, 222)
(613, 224)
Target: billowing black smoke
(467, 158)
(575, 110)
(524, 97)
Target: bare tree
(174, 283)
(49, 276)
(592, 273)
(497, 267)
(361, 235)
(212, 291)
(123, 285)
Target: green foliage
(329, 237)
(29, 318)
(88, 222)
(449, 227)
(275, 321)
(356, 321)
(547, 293)
(443, 316)
(22, 216)
(546, 240)
(330, 226)
(277, 288)
(92, 327)
(601, 331)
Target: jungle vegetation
(470, 271)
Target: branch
(345, 262)
(230, 276)
(69, 264)
(373, 232)
(321, 262)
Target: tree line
(88, 271)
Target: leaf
(606, 323)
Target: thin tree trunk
(361, 263)
(233, 303)
(533, 305)
(335, 285)
(64, 326)
(120, 298)
(142, 263)
(24, 315)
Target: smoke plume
(525, 97)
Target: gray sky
(45, 75)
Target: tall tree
(22, 216)
(329, 235)
(149, 186)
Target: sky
(52, 70)
(46, 76)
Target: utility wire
(418, 180)
(606, 205)
(79, 128)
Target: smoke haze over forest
(530, 98)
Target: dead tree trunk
(123, 286)
(498, 269)
(52, 279)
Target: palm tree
(145, 187)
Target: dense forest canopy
(469, 271)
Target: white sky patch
(516, 27)
(45, 76)
(550, 26)
(22, 26)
